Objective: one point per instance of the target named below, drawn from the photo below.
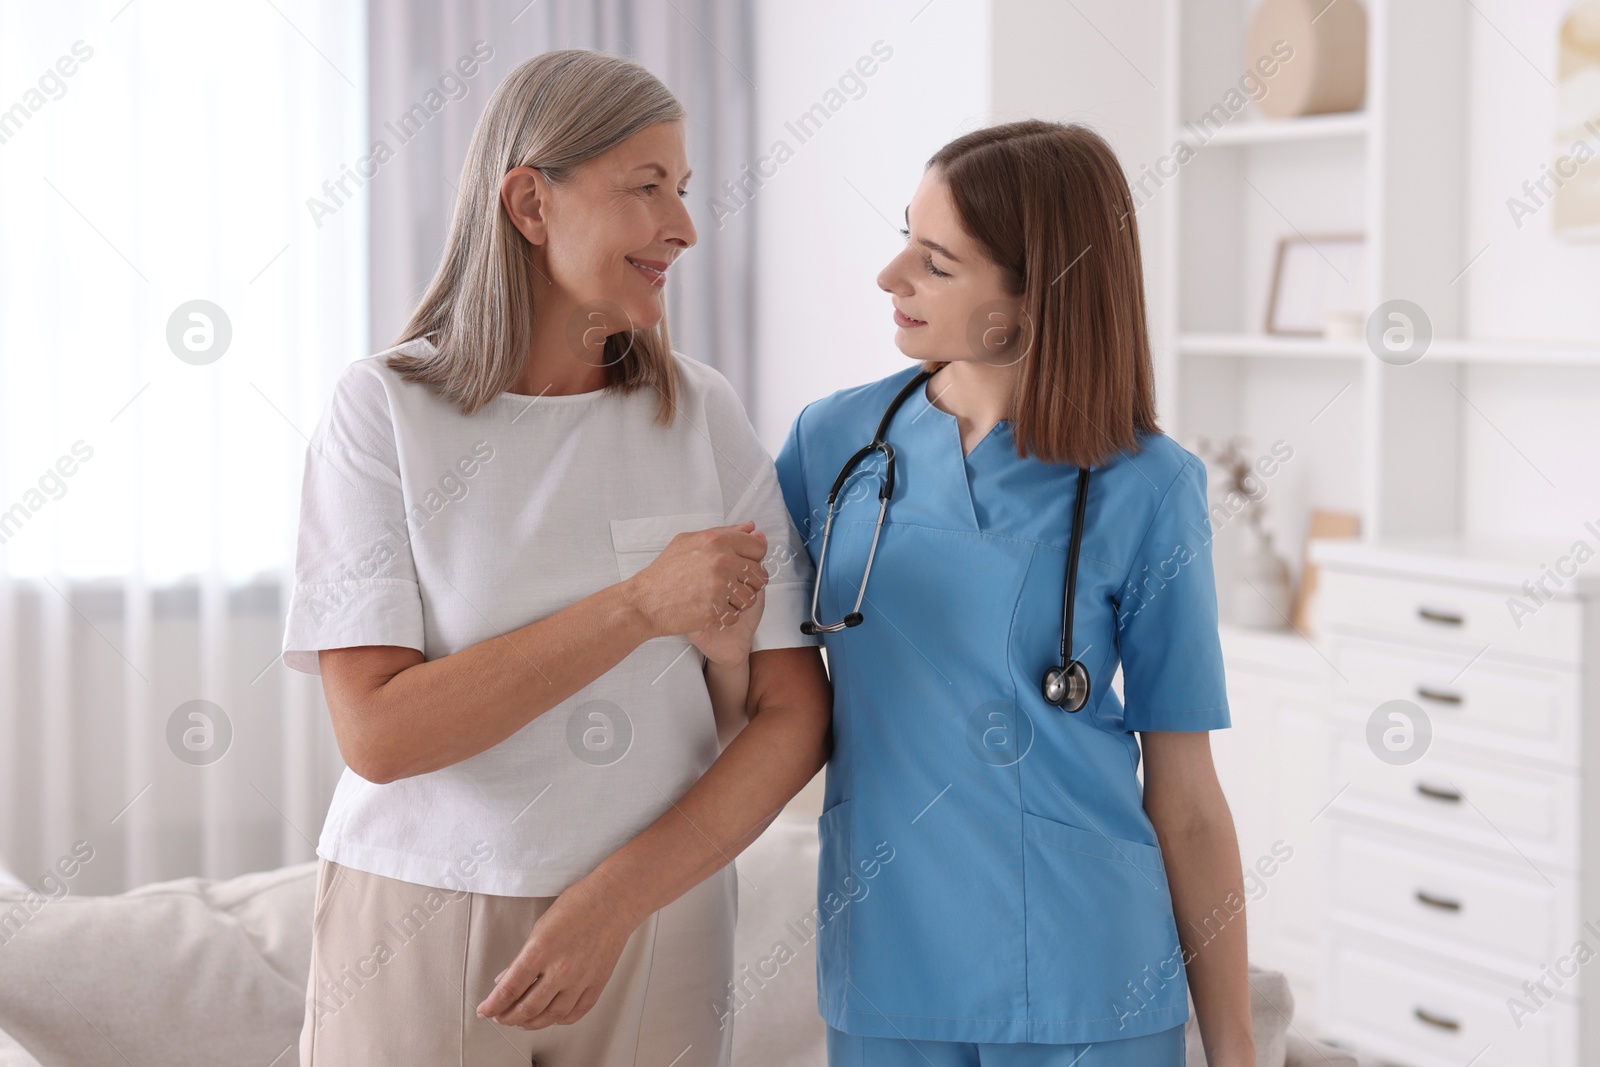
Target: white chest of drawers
(1459, 903)
(1271, 766)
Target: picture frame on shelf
(1315, 278)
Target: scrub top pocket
(638, 542)
(833, 901)
(1098, 922)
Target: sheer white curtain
(190, 198)
(173, 310)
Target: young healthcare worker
(995, 886)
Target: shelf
(1514, 353)
(1499, 562)
(1267, 346)
(1278, 131)
(1504, 354)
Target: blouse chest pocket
(638, 542)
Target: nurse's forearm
(772, 759)
(1202, 859)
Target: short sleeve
(791, 479)
(1172, 670)
(751, 490)
(355, 582)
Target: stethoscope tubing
(1057, 685)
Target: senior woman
(530, 575)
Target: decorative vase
(1262, 594)
(1328, 69)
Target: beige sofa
(206, 972)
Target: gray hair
(553, 113)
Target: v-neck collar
(930, 440)
(955, 424)
(954, 467)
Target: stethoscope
(1066, 685)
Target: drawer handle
(1438, 696)
(1438, 1021)
(1443, 618)
(1433, 792)
(1442, 903)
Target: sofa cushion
(774, 950)
(1271, 1008)
(1303, 1052)
(1278, 1043)
(202, 971)
(193, 971)
(14, 1055)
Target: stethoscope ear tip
(855, 618)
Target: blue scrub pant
(1164, 1049)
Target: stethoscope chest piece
(1067, 687)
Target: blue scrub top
(988, 872)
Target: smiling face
(608, 235)
(950, 300)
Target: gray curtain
(702, 49)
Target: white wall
(1530, 445)
(1100, 63)
(1528, 284)
(828, 217)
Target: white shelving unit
(1392, 171)
(1384, 442)
(1264, 346)
(1266, 131)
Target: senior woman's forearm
(397, 716)
(771, 759)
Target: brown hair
(1049, 205)
(553, 113)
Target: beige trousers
(398, 970)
